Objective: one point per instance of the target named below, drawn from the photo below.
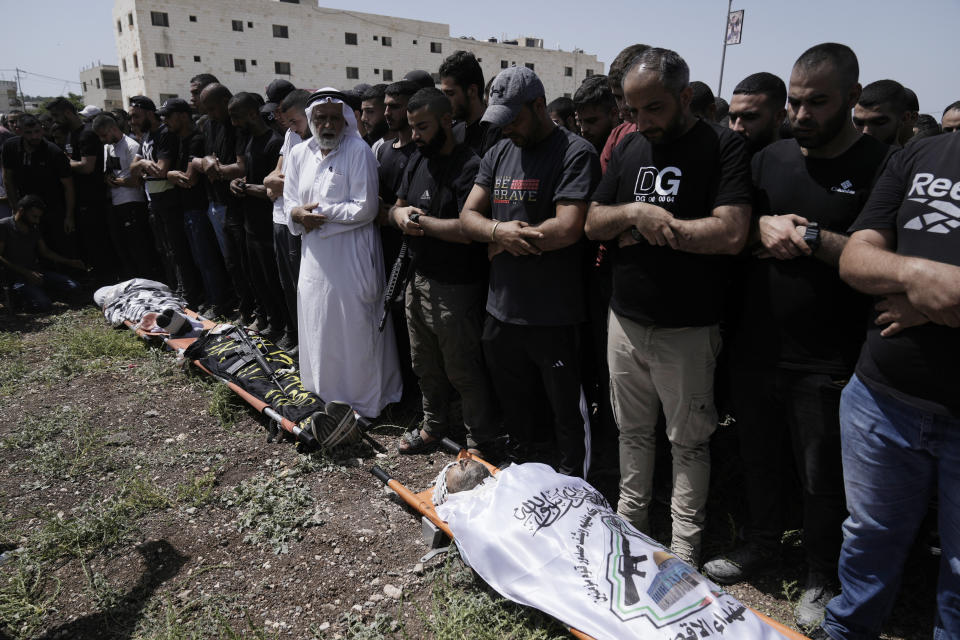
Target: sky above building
(913, 43)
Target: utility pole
(723, 58)
(23, 103)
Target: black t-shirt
(191, 147)
(440, 186)
(90, 188)
(160, 144)
(478, 135)
(19, 248)
(918, 198)
(220, 140)
(705, 168)
(797, 313)
(37, 172)
(260, 154)
(393, 164)
(525, 184)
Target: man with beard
(757, 109)
(330, 194)
(461, 80)
(615, 80)
(444, 302)
(909, 124)
(34, 166)
(596, 110)
(882, 111)
(676, 198)
(285, 244)
(528, 204)
(372, 116)
(198, 83)
(800, 327)
(561, 111)
(258, 158)
(191, 191)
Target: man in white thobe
(330, 195)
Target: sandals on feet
(416, 444)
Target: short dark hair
(672, 69)
(562, 106)
(618, 68)
(375, 93)
(465, 70)
(203, 79)
(702, 99)
(404, 88)
(839, 56)
(218, 92)
(723, 108)
(763, 83)
(950, 107)
(881, 92)
(353, 99)
(31, 201)
(927, 126)
(433, 99)
(103, 121)
(595, 90)
(61, 104)
(295, 99)
(29, 120)
(246, 101)
(913, 102)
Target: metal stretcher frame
(422, 503)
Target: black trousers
(96, 245)
(133, 238)
(524, 361)
(287, 247)
(779, 412)
(167, 222)
(262, 270)
(237, 260)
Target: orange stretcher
(422, 503)
(175, 344)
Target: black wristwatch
(636, 235)
(812, 236)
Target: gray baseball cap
(511, 89)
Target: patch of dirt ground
(139, 500)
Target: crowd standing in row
(583, 270)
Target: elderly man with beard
(444, 302)
(330, 196)
(676, 197)
(801, 327)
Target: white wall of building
(96, 89)
(201, 39)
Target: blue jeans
(894, 458)
(39, 298)
(206, 254)
(218, 219)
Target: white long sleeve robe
(340, 291)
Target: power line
(40, 75)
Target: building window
(253, 63)
(281, 68)
(159, 19)
(281, 31)
(84, 86)
(250, 25)
(193, 18)
(386, 41)
(350, 38)
(164, 59)
(97, 80)
(530, 42)
(589, 72)
(237, 25)
(568, 71)
(529, 65)
(353, 73)
(503, 64)
(130, 19)
(119, 28)
(167, 96)
(240, 65)
(123, 63)
(136, 63)
(291, 1)
(376, 71)
(414, 42)
(375, 38)
(388, 75)
(436, 47)
(196, 58)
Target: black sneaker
(819, 589)
(286, 342)
(738, 564)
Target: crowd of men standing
(582, 271)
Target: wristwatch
(636, 235)
(812, 236)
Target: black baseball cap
(277, 91)
(420, 77)
(143, 102)
(174, 105)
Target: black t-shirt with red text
(798, 314)
(525, 184)
(705, 168)
(917, 198)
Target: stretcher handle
(450, 445)
(380, 474)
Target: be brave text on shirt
(509, 190)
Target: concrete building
(101, 86)
(161, 44)
(8, 96)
